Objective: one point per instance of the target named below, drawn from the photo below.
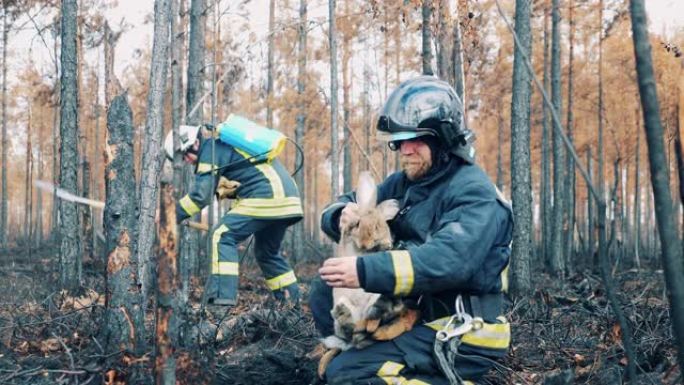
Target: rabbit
(358, 315)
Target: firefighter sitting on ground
(452, 242)
(267, 202)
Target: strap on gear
(448, 339)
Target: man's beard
(415, 168)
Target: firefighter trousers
(268, 237)
(407, 359)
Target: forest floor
(561, 334)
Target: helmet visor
(401, 135)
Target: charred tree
(27, 186)
(591, 223)
(459, 73)
(112, 86)
(601, 211)
(521, 178)
(152, 157)
(124, 312)
(444, 43)
(637, 197)
(569, 199)
(334, 134)
(189, 244)
(665, 214)
(427, 38)
(678, 134)
(70, 248)
(346, 106)
(86, 212)
(546, 206)
(499, 149)
(556, 256)
(177, 49)
(270, 69)
(166, 316)
(299, 231)
(3, 212)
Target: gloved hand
(226, 188)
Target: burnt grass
(562, 334)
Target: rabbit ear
(389, 208)
(366, 194)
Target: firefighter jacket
(452, 236)
(266, 188)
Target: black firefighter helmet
(422, 106)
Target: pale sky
(665, 15)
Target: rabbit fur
(357, 313)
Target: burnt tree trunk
(270, 69)
(70, 247)
(521, 178)
(591, 223)
(678, 135)
(177, 34)
(569, 200)
(600, 212)
(300, 129)
(637, 196)
(124, 311)
(334, 134)
(189, 244)
(346, 107)
(168, 293)
(444, 43)
(4, 207)
(459, 73)
(86, 212)
(665, 214)
(152, 156)
(546, 161)
(556, 256)
(427, 38)
(499, 149)
(28, 191)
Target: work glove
(226, 188)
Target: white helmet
(187, 136)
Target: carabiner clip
(461, 316)
(465, 326)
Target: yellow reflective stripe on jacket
(277, 283)
(270, 174)
(403, 272)
(204, 167)
(189, 206)
(492, 336)
(268, 207)
(217, 267)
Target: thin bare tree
(670, 240)
(70, 248)
(521, 178)
(270, 68)
(152, 156)
(299, 230)
(427, 38)
(334, 134)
